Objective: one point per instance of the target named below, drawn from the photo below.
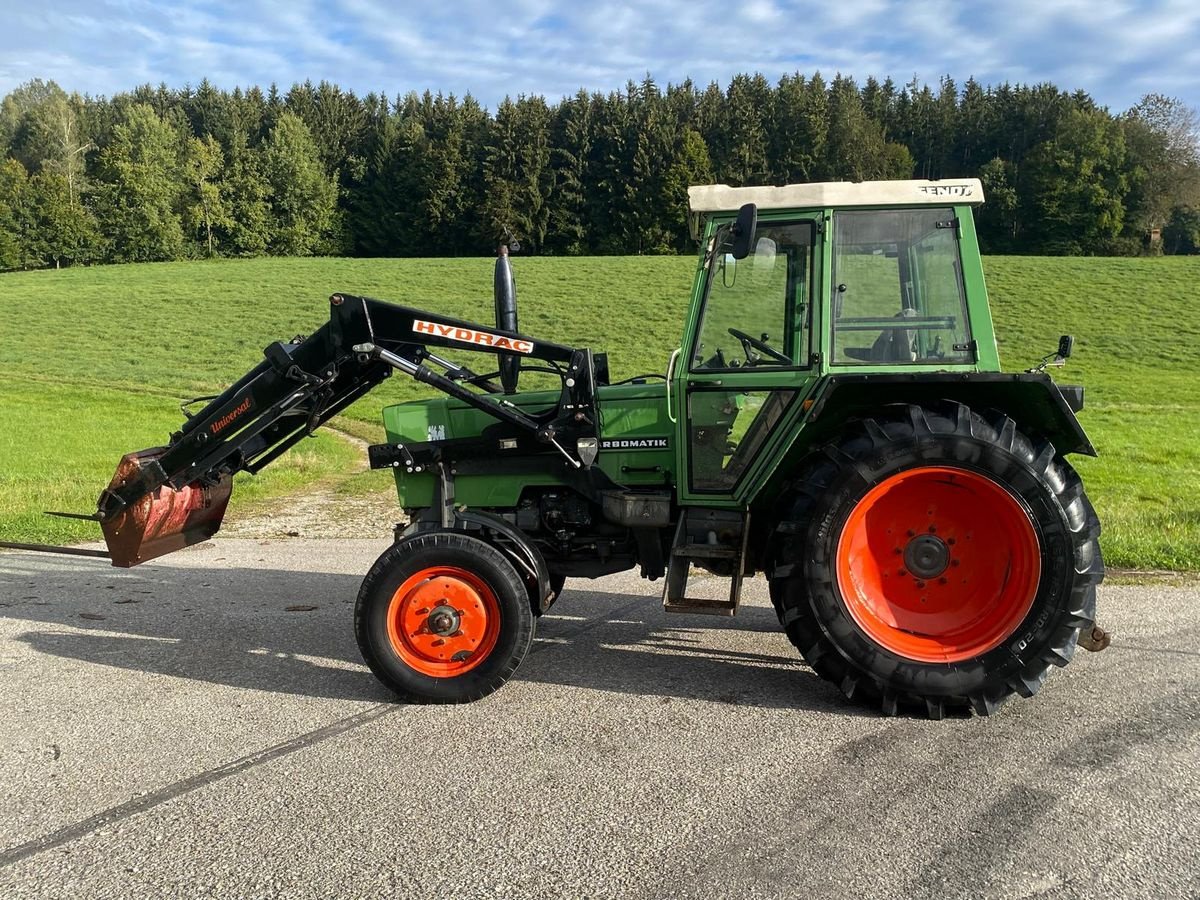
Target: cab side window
(758, 310)
(898, 293)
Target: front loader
(835, 418)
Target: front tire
(443, 617)
(932, 557)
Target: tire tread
(994, 438)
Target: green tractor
(835, 418)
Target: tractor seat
(894, 344)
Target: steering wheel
(750, 344)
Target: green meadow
(94, 362)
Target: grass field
(93, 363)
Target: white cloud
(1116, 51)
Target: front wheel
(936, 558)
(443, 617)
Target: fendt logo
(947, 190)
(470, 336)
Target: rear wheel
(936, 558)
(443, 617)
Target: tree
(64, 231)
(1076, 186)
(336, 120)
(608, 171)
(1182, 234)
(855, 148)
(1162, 136)
(654, 146)
(798, 128)
(382, 192)
(742, 156)
(19, 136)
(140, 190)
(517, 177)
(45, 130)
(166, 171)
(571, 140)
(690, 166)
(15, 216)
(997, 218)
(247, 230)
(972, 132)
(58, 128)
(209, 112)
(206, 208)
(303, 199)
(450, 173)
(922, 132)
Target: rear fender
(1038, 405)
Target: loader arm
(165, 498)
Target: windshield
(757, 311)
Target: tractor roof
(706, 199)
(712, 198)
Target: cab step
(703, 605)
(708, 537)
(706, 551)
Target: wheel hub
(938, 564)
(443, 620)
(927, 556)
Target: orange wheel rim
(443, 621)
(938, 564)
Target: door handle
(670, 377)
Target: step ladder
(713, 538)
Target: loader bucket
(165, 519)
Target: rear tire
(443, 617)
(937, 559)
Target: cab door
(747, 362)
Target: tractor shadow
(626, 644)
(292, 633)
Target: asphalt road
(176, 730)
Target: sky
(1116, 51)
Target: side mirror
(763, 261)
(743, 231)
(1066, 344)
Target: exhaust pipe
(506, 317)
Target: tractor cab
(832, 277)
(840, 278)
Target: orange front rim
(938, 564)
(443, 621)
